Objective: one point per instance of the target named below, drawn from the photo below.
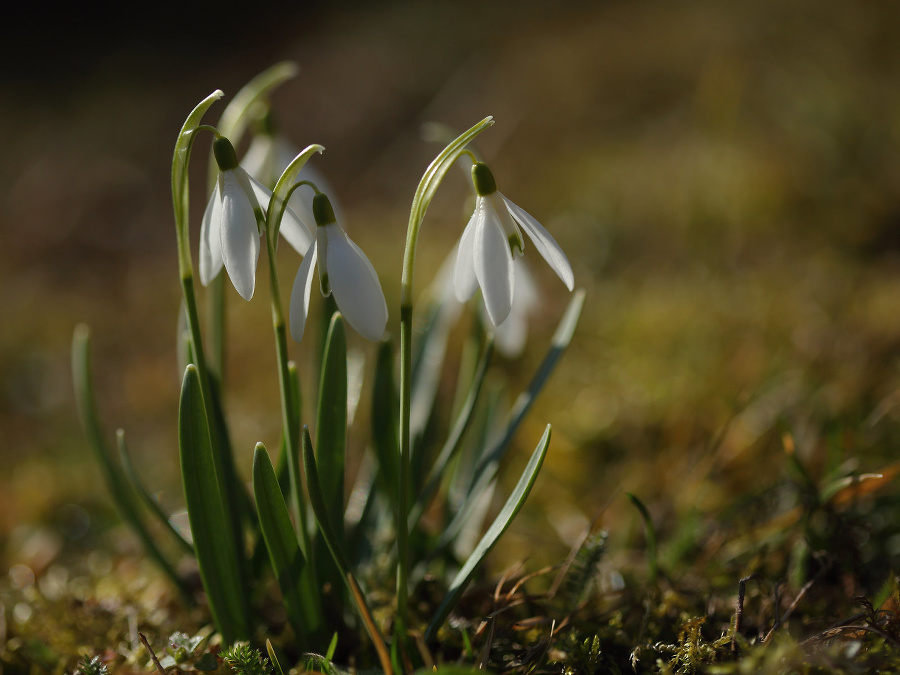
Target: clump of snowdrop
(297, 518)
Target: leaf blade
(216, 550)
(509, 511)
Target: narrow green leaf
(116, 482)
(331, 423)
(385, 425)
(216, 549)
(145, 496)
(486, 470)
(273, 658)
(319, 504)
(495, 531)
(288, 561)
(453, 444)
(561, 339)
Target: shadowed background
(723, 176)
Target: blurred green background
(725, 177)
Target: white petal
(355, 285)
(494, 267)
(210, 238)
(527, 295)
(295, 230)
(300, 293)
(544, 243)
(464, 280)
(239, 236)
(512, 334)
(261, 193)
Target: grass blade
(216, 549)
(495, 531)
(288, 561)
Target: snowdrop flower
(490, 243)
(343, 270)
(230, 230)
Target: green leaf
(453, 444)
(331, 423)
(144, 495)
(288, 561)
(385, 424)
(561, 339)
(273, 658)
(486, 470)
(216, 549)
(495, 531)
(319, 504)
(335, 546)
(116, 481)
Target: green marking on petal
(516, 245)
(324, 284)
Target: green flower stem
(432, 178)
(290, 430)
(273, 216)
(225, 470)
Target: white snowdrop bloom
(492, 240)
(345, 271)
(230, 230)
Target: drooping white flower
(230, 230)
(345, 271)
(492, 240)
